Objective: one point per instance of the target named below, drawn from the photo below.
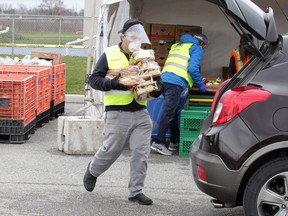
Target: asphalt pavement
(38, 179)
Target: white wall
(222, 37)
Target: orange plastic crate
(18, 97)
(43, 82)
(59, 83)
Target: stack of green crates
(190, 125)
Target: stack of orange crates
(43, 87)
(57, 89)
(17, 107)
(57, 105)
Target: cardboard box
(184, 29)
(160, 58)
(147, 28)
(161, 46)
(55, 57)
(162, 31)
(145, 46)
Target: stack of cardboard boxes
(162, 36)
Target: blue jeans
(169, 117)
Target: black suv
(241, 155)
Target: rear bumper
(222, 183)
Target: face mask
(134, 46)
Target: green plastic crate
(200, 108)
(185, 145)
(190, 126)
(192, 119)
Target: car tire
(266, 192)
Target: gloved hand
(115, 84)
(202, 88)
(160, 90)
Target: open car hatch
(248, 15)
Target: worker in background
(238, 58)
(181, 70)
(126, 122)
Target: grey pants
(122, 129)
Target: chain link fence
(39, 30)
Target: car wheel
(266, 192)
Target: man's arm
(196, 54)
(97, 79)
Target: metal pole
(60, 30)
(97, 109)
(91, 37)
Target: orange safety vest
(237, 58)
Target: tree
(22, 9)
(47, 7)
(53, 7)
(6, 9)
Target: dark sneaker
(141, 199)
(173, 146)
(89, 180)
(160, 148)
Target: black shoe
(141, 199)
(89, 180)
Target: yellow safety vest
(177, 61)
(116, 59)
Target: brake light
(236, 100)
(201, 173)
(221, 86)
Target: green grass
(22, 37)
(75, 73)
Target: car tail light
(236, 100)
(201, 173)
(221, 86)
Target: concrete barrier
(79, 134)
